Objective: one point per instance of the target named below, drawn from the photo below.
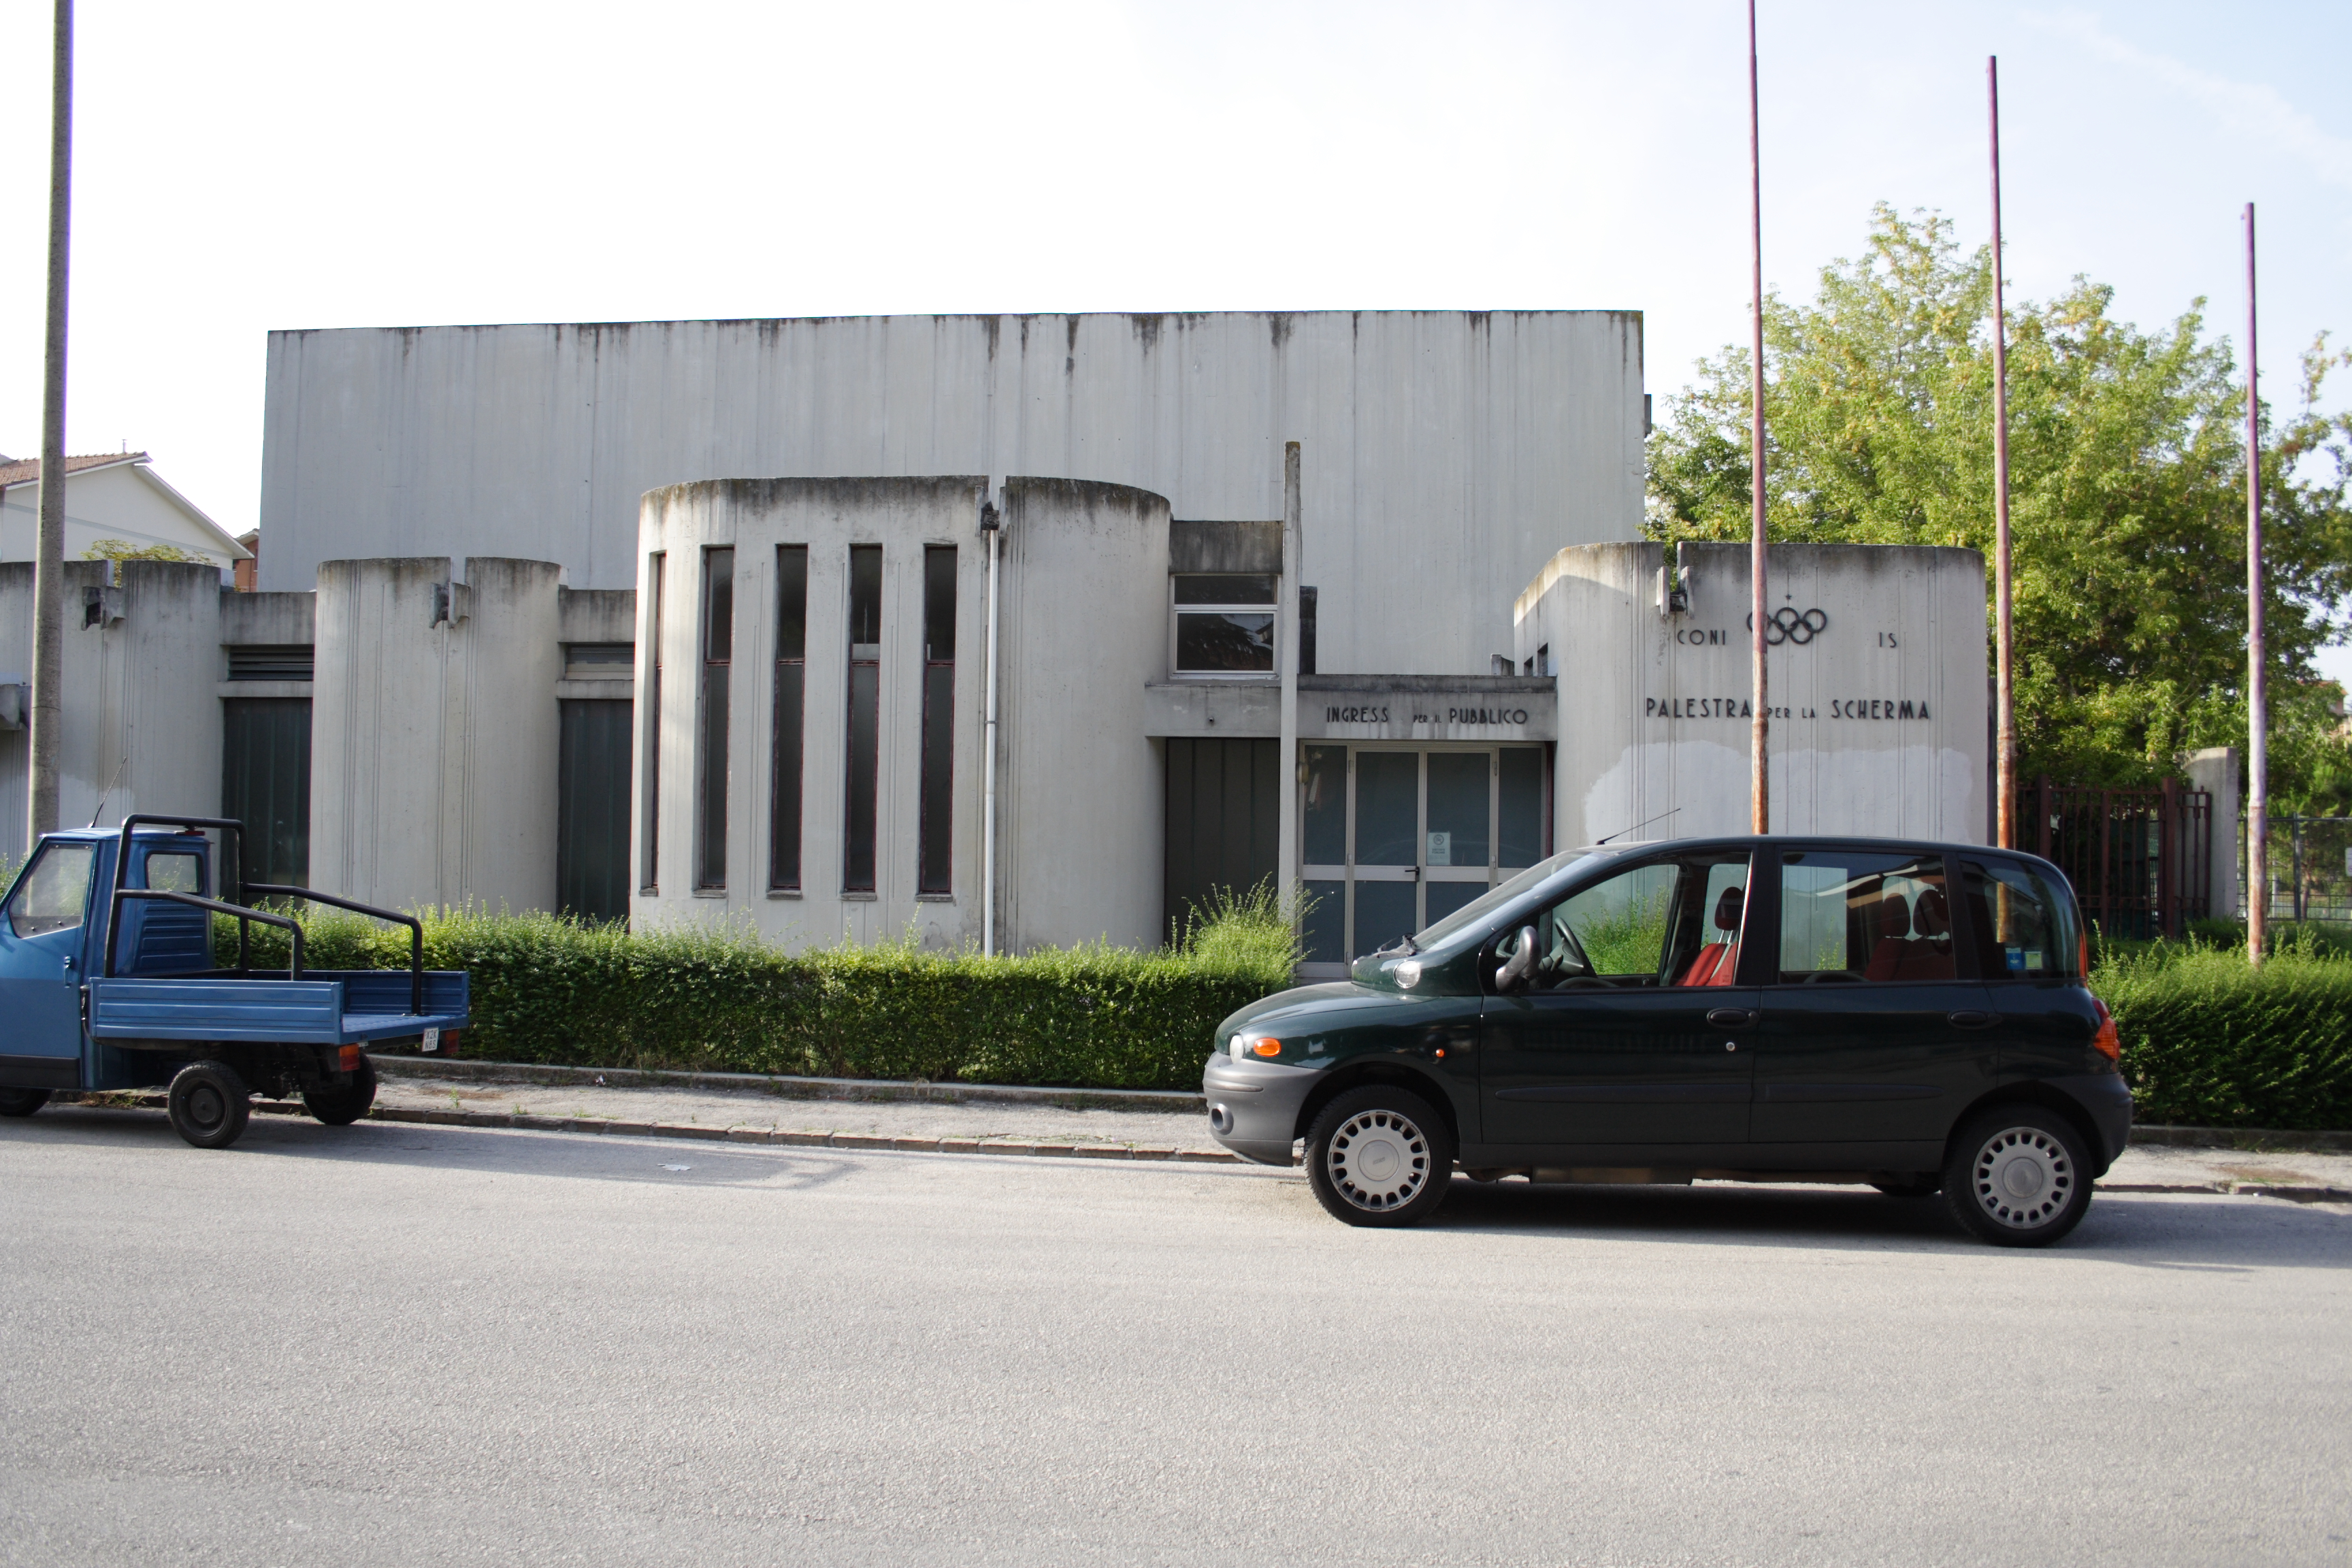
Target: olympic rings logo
(1785, 625)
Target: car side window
(1854, 917)
(54, 891)
(2024, 928)
(1669, 923)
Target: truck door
(41, 967)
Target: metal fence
(2310, 867)
(2140, 860)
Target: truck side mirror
(1513, 973)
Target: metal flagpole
(1759, 804)
(2004, 636)
(47, 720)
(2258, 715)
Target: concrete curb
(879, 1091)
(2252, 1138)
(796, 1140)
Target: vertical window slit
(649, 827)
(864, 718)
(710, 741)
(936, 837)
(792, 697)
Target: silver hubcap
(1377, 1160)
(2023, 1178)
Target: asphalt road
(396, 1344)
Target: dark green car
(1910, 1016)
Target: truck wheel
(2017, 1176)
(208, 1104)
(340, 1106)
(22, 1101)
(1380, 1156)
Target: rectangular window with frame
(935, 852)
(710, 737)
(792, 697)
(649, 823)
(1223, 622)
(864, 750)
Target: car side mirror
(1515, 969)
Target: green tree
(2126, 485)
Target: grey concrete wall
(1084, 628)
(432, 764)
(2216, 769)
(139, 712)
(596, 615)
(268, 619)
(1879, 715)
(1447, 455)
(1083, 633)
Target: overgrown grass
(549, 989)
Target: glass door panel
(1455, 836)
(1387, 809)
(1521, 800)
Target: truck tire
(342, 1105)
(22, 1101)
(209, 1104)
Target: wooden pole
(2258, 715)
(1759, 800)
(2004, 636)
(47, 720)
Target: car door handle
(1730, 1018)
(1971, 1018)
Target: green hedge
(551, 990)
(2210, 1041)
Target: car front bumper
(1253, 1106)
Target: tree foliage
(2126, 485)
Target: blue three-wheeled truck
(108, 981)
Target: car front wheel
(1380, 1156)
(2018, 1176)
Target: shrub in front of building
(547, 989)
(2211, 1041)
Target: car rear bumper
(2106, 1101)
(1253, 1106)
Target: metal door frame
(1347, 875)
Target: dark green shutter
(1222, 803)
(265, 784)
(592, 819)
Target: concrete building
(1447, 453)
(692, 621)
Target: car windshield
(1475, 914)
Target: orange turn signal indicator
(348, 1058)
(1266, 1047)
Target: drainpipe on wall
(1285, 642)
(991, 528)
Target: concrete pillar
(2215, 770)
(434, 732)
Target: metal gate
(1222, 802)
(265, 784)
(2140, 860)
(592, 817)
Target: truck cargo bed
(328, 1007)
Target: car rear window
(2023, 921)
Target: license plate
(432, 1040)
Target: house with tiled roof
(112, 500)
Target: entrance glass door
(1395, 837)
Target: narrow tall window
(710, 740)
(936, 857)
(649, 829)
(865, 717)
(792, 697)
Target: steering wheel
(1567, 964)
(1840, 977)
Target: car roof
(1803, 841)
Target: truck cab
(108, 981)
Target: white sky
(246, 166)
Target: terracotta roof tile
(28, 470)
